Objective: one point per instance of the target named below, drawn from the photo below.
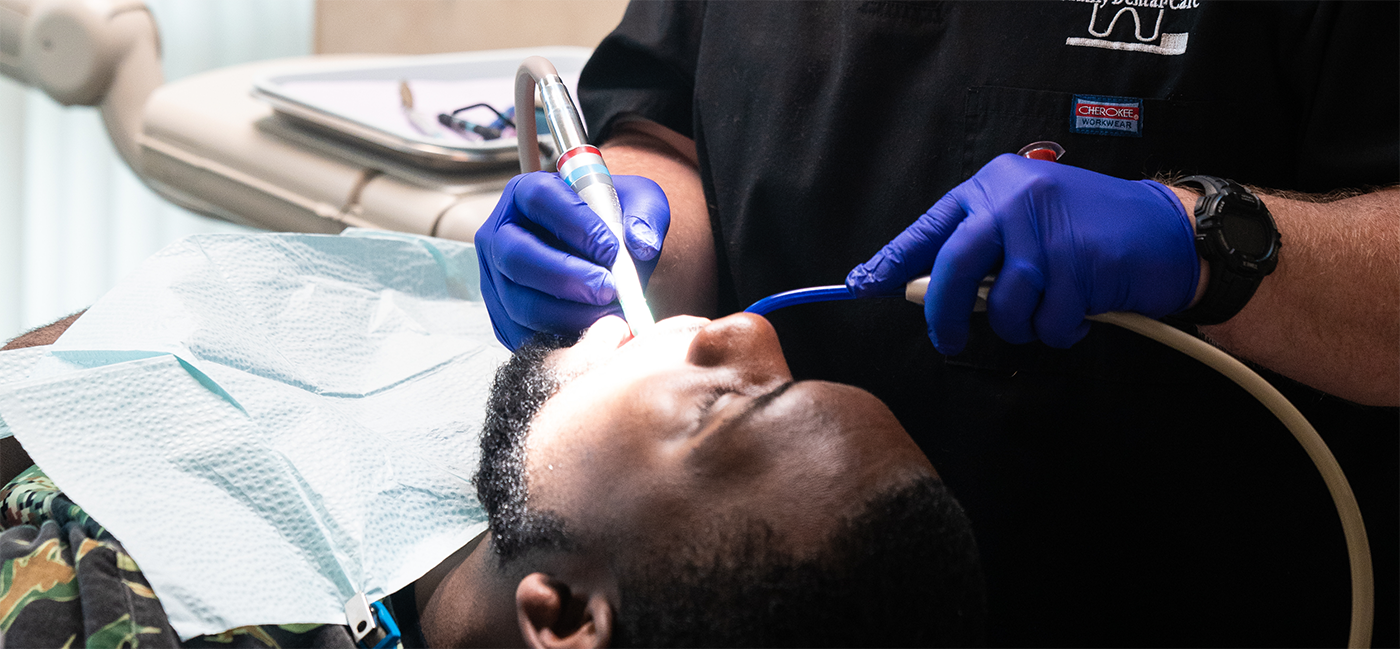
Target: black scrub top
(1122, 493)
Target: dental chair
(208, 144)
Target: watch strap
(1210, 185)
(1226, 294)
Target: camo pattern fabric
(65, 581)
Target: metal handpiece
(582, 168)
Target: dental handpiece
(581, 167)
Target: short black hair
(903, 570)
(521, 387)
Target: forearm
(684, 280)
(1329, 315)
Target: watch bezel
(1211, 212)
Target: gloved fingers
(522, 258)
(646, 215)
(1013, 300)
(971, 252)
(538, 311)
(531, 278)
(1059, 322)
(546, 200)
(912, 252)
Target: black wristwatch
(1237, 237)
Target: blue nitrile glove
(545, 255)
(1064, 242)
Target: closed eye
(746, 410)
(713, 397)
(712, 402)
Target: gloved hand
(544, 254)
(1069, 243)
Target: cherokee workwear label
(1097, 115)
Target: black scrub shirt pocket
(1175, 136)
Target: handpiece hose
(582, 168)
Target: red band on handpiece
(587, 148)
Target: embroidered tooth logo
(1105, 19)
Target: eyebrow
(758, 404)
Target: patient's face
(693, 423)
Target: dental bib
(270, 423)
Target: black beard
(522, 385)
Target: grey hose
(565, 124)
(1358, 547)
(1353, 528)
(535, 67)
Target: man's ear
(554, 616)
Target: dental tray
(360, 103)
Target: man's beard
(521, 387)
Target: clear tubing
(582, 167)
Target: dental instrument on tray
(1353, 528)
(486, 131)
(581, 166)
(420, 121)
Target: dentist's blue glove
(544, 254)
(1065, 243)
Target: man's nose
(743, 341)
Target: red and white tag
(1099, 115)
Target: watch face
(1248, 236)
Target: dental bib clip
(371, 624)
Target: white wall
(73, 217)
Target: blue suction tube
(800, 296)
